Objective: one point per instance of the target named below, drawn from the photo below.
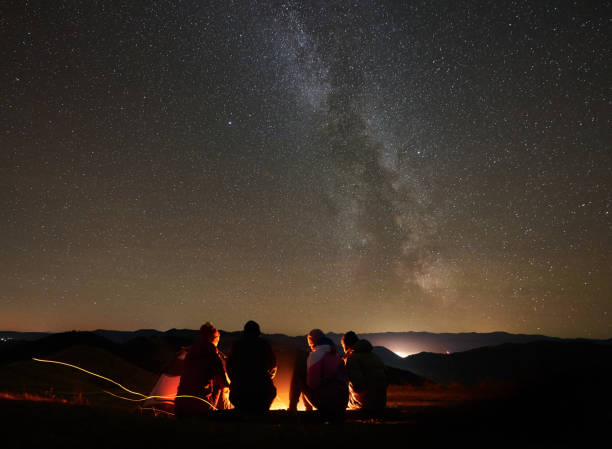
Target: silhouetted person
(326, 386)
(251, 366)
(366, 374)
(203, 375)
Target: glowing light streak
(170, 397)
(143, 396)
(157, 410)
(90, 373)
(124, 398)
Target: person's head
(313, 337)
(251, 329)
(348, 340)
(209, 333)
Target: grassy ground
(28, 424)
(429, 416)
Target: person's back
(366, 373)
(251, 365)
(367, 377)
(203, 376)
(326, 376)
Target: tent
(161, 399)
(162, 396)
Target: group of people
(212, 381)
(244, 378)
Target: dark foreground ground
(507, 423)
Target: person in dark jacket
(203, 379)
(251, 366)
(366, 374)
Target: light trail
(90, 373)
(170, 397)
(143, 396)
(124, 398)
(157, 410)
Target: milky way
(368, 165)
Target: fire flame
(279, 404)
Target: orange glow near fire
(278, 404)
(279, 401)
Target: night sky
(366, 165)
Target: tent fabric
(167, 385)
(164, 392)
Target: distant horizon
(305, 333)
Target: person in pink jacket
(326, 379)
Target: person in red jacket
(203, 376)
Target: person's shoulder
(202, 349)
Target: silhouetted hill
(149, 353)
(526, 362)
(415, 342)
(18, 336)
(580, 360)
(25, 350)
(123, 336)
(189, 334)
(389, 357)
(45, 378)
(397, 376)
(398, 342)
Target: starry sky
(369, 165)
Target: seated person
(326, 385)
(251, 366)
(203, 376)
(366, 374)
